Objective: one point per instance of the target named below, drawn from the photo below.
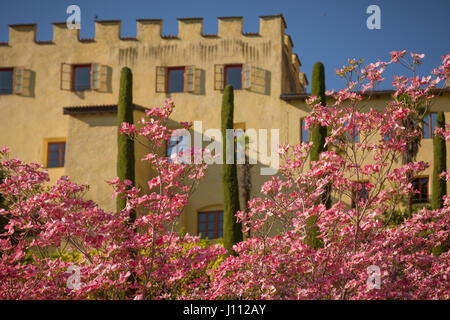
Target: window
(175, 79)
(56, 153)
(233, 76)
(238, 75)
(304, 133)
(12, 80)
(83, 77)
(421, 185)
(6, 80)
(360, 193)
(354, 136)
(210, 224)
(429, 125)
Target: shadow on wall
(28, 83)
(200, 80)
(100, 120)
(79, 94)
(107, 86)
(260, 82)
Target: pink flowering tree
(57, 245)
(362, 255)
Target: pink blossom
(120, 258)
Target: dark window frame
(168, 141)
(418, 197)
(356, 135)
(9, 69)
(77, 66)
(430, 128)
(61, 156)
(216, 223)
(168, 69)
(233, 66)
(355, 193)
(301, 131)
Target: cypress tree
(439, 165)
(318, 135)
(232, 230)
(125, 146)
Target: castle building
(58, 99)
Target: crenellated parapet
(298, 82)
(288, 44)
(22, 34)
(150, 30)
(268, 50)
(190, 28)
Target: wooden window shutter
(189, 78)
(95, 76)
(246, 75)
(18, 80)
(66, 76)
(103, 78)
(161, 82)
(219, 76)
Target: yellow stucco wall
(297, 109)
(91, 155)
(31, 118)
(36, 114)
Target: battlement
(270, 49)
(150, 30)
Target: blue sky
(322, 30)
